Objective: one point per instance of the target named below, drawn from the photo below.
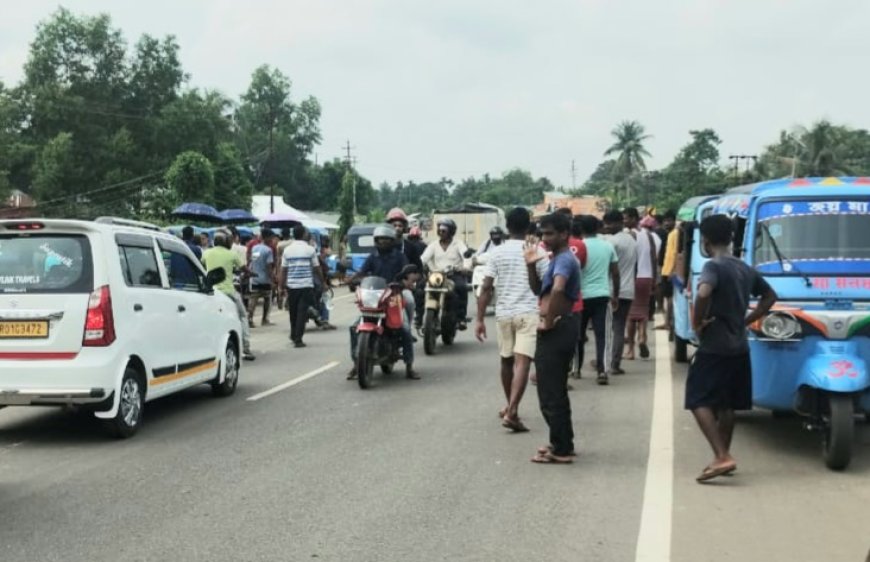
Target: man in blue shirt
(558, 331)
(187, 235)
(262, 266)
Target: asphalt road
(416, 470)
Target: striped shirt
(299, 259)
(507, 265)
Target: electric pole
(573, 176)
(351, 161)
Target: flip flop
(549, 450)
(514, 425)
(550, 458)
(711, 473)
(644, 351)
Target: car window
(45, 263)
(183, 274)
(139, 266)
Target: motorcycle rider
(397, 218)
(389, 263)
(496, 237)
(447, 254)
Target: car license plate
(24, 330)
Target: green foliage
(630, 152)
(191, 179)
(232, 187)
(346, 202)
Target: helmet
(397, 214)
(449, 224)
(415, 231)
(384, 232)
(496, 230)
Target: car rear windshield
(45, 263)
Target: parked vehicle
(807, 238)
(109, 315)
(361, 243)
(380, 342)
(440, 317)
(473, 222)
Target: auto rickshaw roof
(690, 206)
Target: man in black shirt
(720, 376)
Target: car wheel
(131, 406)
(231, 376)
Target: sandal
(549, 449)
(550, 458)
(710, 473)
(514, 424)
(644, 351)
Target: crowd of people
(562, 282)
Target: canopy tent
(261, 208)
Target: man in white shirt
(516, 313)
(445, 254)
(299, 265)
(626, 253)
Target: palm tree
(630, 136)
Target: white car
(108, 315)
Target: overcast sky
(433, 88)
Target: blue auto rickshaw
(807, 237)
(360, 243)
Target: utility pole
(272, 118)
(351, 161)
(573, 176)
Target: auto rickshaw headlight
(780, 326)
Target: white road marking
(654, 538)
(297, 380)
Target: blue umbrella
(197, 212)
(237, 216)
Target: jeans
(243, 316)
(461, 291)
(620, 319)
(555, 349)
(405, 335)
(597, 310)
(298, 301)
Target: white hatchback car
(108, 315)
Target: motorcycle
(381, 307)
(440, 317)
(477, 277)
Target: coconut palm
(629, 151)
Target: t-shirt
(646, 266)
(578, 248)
(733, 282)
(596, 274)
(563, 264)
(626, 253)
(262, 262)
(671, 251)
(437, 258)
(507, 263)
(242, 251)
(226, 259)
(197, 250)
(300, 259)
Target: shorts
(722, 382)
(518, 335)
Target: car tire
(131, 406)
(230, 364)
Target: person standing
(262, 270)
(516, 312)
(600, 294)
(299, 265)
(557, 335)
(221, 256)
(720, 376)
(669, 222)
(626, 254)
(648, 245)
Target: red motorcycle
(380, 342)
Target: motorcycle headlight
(369, 298)
(436, 279)
(780, 326)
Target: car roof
(87, 226)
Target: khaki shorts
(518, 335)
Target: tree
(232, 188)
(346, 202)
(55, 163)
(191, 179)
(629, 151)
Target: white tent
(261, 207)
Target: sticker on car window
(19, 279)
(55, 258)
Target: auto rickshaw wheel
(839, 431)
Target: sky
(459, 88)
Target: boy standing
(720, 376)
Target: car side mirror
(215, 277)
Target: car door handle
(181, 308)
(137, 308)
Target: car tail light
(99, 322)
(26, 226)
